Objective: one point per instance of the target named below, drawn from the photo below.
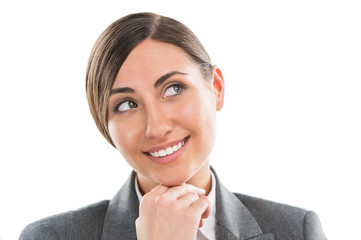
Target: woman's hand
(172, 213)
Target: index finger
(159, 190)
(179, 191)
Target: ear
(218, 86)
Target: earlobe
(218, 86)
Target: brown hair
(118, 40)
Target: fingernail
(196, 189)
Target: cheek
(123, 135)
(197, 114)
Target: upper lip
(165, 146)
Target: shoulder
(83, 223)
(283, 220)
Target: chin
(173, 181)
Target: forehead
(152, 59)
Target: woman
(154, 94)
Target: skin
(143, 117)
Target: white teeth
(168, 151)
(162, 153)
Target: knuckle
(204, 201)
(161, 201)
(194, 195)
(145, 200)
(146, 197)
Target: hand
(172, 213)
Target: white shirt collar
(209, 224)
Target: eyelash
(118, 104)
(175, 84)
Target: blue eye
(126, 106)
(174, 90)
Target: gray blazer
(237, 217)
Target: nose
(159, 123)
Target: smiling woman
(154, 94)
(162, 117)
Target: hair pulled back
(115, 44)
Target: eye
(174, 90)
(125, 106)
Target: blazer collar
(123, 210)
(233, 220)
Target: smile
(168, 151)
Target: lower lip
(169, 158)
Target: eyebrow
(157, 83)
(163, 78)
(121, 90)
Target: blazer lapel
(233, 220)
(123, 210)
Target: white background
(289, 130)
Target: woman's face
(162, 114)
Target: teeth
(162, 153)
(168, 151)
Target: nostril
(158, 128)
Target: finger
(179, 191)
(188, 199)
(198, 190)
(201, 223)
(202, 207)
(207, 212)
(137, 222)
(154, 193)
(159, 190)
